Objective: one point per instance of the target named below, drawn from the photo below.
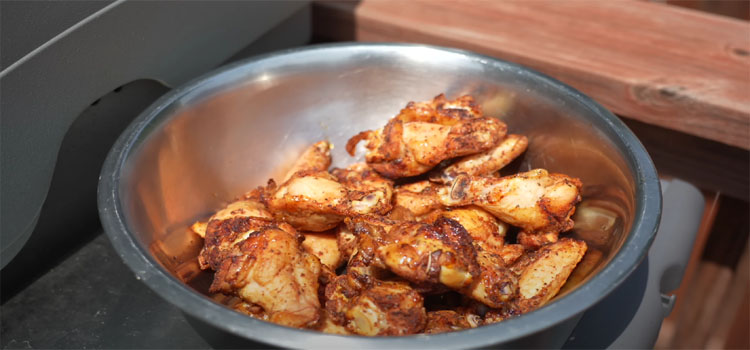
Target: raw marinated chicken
(262, 261)
(419, 138)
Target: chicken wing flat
(264, 263)
(416, 140)
(484, 163)
(374, 307)
(310, 201)
(536, 201)
(544, 272)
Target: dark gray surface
(71, 201)
(92, 300)
(26, 25)
(45, 91)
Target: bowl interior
(230, 132)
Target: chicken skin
(440, 110)
(544, 272)
(368, 192)
(424, 254)
(313, 200)
(412, 202)
(324, 245)
(537, 201)
(263, 262)
(421, 136)
(484, 163)
(495, 284)
(368, 306)
(310, 201)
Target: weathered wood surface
(663, 65)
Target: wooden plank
(737, 8)
(694, 324)
(707, 222)
(730, 310)
(738, 337)
(669, 325)
(663, 65)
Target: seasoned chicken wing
(536, 201)
(375, 307)
(318, 201)
(324, 245)
(368, 192)
(544, 272)
(440, 110)
(495, 284)
(310, 201)
(484, 163)
(422, 253)
(413, 201)
(263, 262)
(412, 144)
(448, 320)
(486, 231)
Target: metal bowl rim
(632, 251)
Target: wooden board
(663, 65)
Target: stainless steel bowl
(211, 140)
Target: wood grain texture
(663, 65)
